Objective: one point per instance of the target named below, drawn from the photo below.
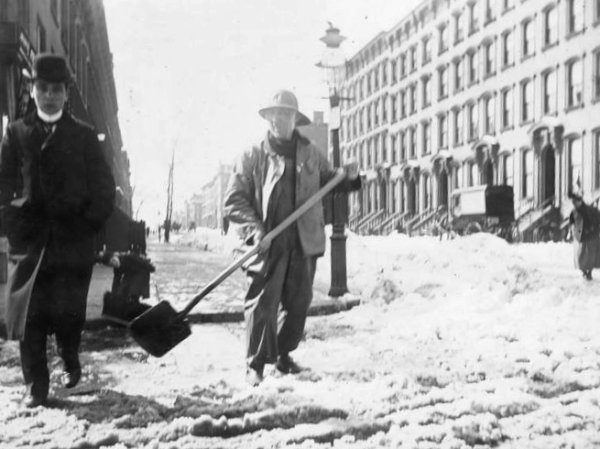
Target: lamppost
(333, 64)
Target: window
(473, 17)
(597, 11)
(458, 126)
(426, 50)
(459, 27)
(458, 75)
(426, 191)
(549, 92)
(443, 38)
(403, 137)
(426, 127)
(393, 147)
(472, 61)
(473, 120)
(426, 82)
(402, 104)
(596, 70)
(575, 163)
(527, 174)
(443, 82)
(443, 131)
(402, 65)
(507, 170)
(413, 98)
(507, 4)
(54, 10)
(526, 101)
(507, 107)
(574, 84)
(596, 144)
(41, 37)
(550, 26)
(490, 60)
(490, 14)
(393, 108)
(413, 142)
(575, 16)
(393, 71)
(489, 115)
(413, 58)
(528, 36)
(507, 49)
(473, 174)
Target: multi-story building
(77, 30)
(468, 92)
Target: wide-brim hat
(284, 99)
(49, 67)
(575, 195)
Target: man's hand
(351, 169)
(262, 241)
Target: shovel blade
(159, 329)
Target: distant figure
(159, 233)
(585, 229)
(269, 182)
(56, 190)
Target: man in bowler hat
(269, 182)
(56, 191)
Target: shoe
(286, 365)
(587, 275)
(70, 378)
(254, 376)
(34, 401)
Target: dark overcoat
(56, 191)
(585, 222)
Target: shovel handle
(339, 177)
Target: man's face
(49, 97)
(281, 123)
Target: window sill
(574, 107)
(596, 99)
(442, 51)
(458, 41)
(526, 57)
(507, 128)
(573, 34)
(442, 97)
(507, 10)
(508, 66)
(489, 75)
(488, 21)
(472, 83)
(596, 22)
(473, 30)
(549, 46)
(527, 122)
(458, 90)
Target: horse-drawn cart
(485, 208)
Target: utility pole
(167, 224)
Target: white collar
(47, 118)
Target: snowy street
(463, 343)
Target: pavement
(322, 303)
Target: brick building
(77, 30)
(462, 93)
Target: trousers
(57, 306)
(276, 305)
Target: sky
(192, 74)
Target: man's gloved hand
(351, 169)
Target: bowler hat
(284, 99)
(51, 68)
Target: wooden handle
(339, 177)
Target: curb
(329, 306)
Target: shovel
(161, 328)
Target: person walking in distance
(271, 180)
(585, 230)
(56, 191)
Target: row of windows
(408, 61)
(404, 104)
(403, 194)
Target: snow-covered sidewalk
(461, 343)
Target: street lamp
(333, 64)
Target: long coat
(585, 222)
(56, 191)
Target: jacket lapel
(274, 172)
